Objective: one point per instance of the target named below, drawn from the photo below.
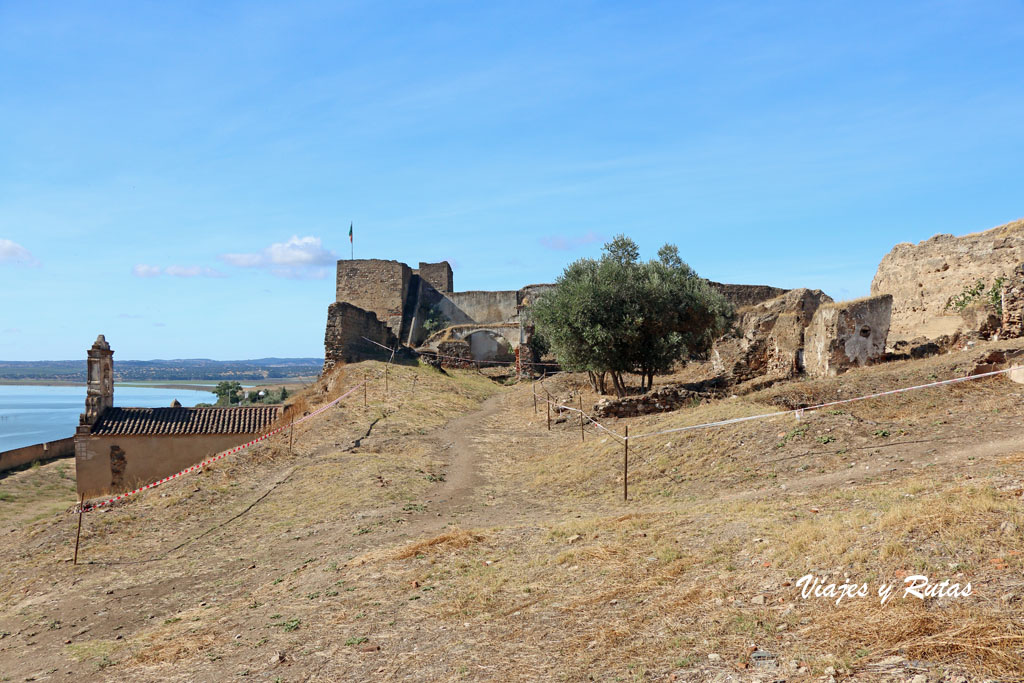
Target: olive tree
(615, 315)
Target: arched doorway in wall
(486, 345)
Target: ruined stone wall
(437, 275)
(660, 400)
(847, 334)
(1013, 305)
(375, 285)
(747, 295)
(529, 294)
(784, 348)
(767, 338)
(344, 342)
(923, 277)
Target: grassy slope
(365, 564)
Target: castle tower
(100, 393)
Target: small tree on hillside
(617, 315)
(227, 392)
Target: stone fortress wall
(383, 303)
(922, 278)
(391, 303)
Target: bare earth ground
(443, 533)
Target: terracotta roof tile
(173, 421)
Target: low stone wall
(660, 400)
(344, 342)
(846, 335)
(61, 448)
(455, 354)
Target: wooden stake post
(366, 380)
(78, 536)
(625, 466)
(291, 434)
(548, 404)
(534, 398)
(581, 417)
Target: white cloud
(143, 270)
(299, 257)
(12, 252)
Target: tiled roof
(172, 421)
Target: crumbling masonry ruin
(389, 304)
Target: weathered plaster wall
(486, 345)
(41, 451)
(344, 342)
(846, 335)
(923, 277)
(480, 307)
(139, 460)
(375, 285)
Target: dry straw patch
(170, 646)
(456, 538)
(987, 643)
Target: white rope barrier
(796, 411)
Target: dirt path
(463, 477)
(469, 497)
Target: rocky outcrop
(924, 278)
(846, 335)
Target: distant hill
(175, 369)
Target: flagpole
(351, 244)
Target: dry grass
(36, 493)
(457, 538)
(539, 570)
(984, 644)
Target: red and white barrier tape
(224, 454)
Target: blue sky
(181, 176)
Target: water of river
(34, 414)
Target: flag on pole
(351, 245)
(350, 233)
